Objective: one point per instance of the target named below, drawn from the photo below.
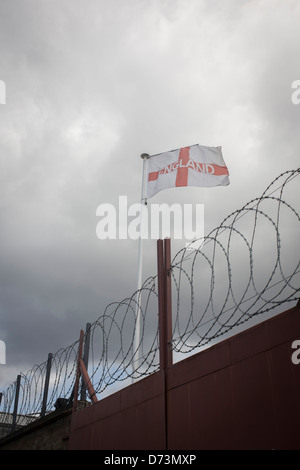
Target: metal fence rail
(248, 266)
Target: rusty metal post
(168, 302)
(87, 382)
(85, 358)
(164, 302)
(165, 318)
(81, 371)
(46, 386)
(14, 417)
(76, 385)
(161, 303)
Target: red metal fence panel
(242, 393)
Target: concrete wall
(49, 433)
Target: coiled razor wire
(248, 266)
(116, 355)
(113, 336)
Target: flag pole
(137, 336)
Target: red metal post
(82, 371)
(87, 382)
(165, 318)
(161, 304)
(168, 302)
(164, 302)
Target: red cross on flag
(196, 165)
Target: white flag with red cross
(196, 165)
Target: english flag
(196, 165)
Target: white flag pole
(137, 336)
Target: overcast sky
(92, 84)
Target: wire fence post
(161, 303)
(168, 301)
(85, 358)
(164, 303)
(165, 318)
(81, 371)
(76, 386)
(46, 386)
(14, 417)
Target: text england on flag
(189, 166)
